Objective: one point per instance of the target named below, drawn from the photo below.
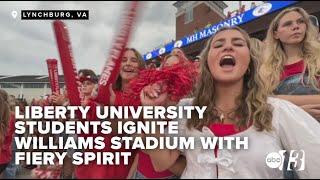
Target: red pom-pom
(179, 79)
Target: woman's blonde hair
(4, 115)
(256, 48)
(252, 104)
(274, 57)
(12, 103)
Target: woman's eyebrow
(287, 22)
(220, 40)
(238, 39)
(300, 19)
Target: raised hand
(313, 110)
(58, 99)
(154, 95)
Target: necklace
(223, 113)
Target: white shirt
(294, 129)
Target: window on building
(61, 85)
(33, 85)
(188, 15)
(10, 85)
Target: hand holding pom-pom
(154, 95)
(179, 80)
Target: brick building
(194, 16)
(256, 28)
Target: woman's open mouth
(227, 62)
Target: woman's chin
(229, 80)
(129, 77)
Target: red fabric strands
(68, 65)
(112, 67)
(179, 79)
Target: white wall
(29, 93)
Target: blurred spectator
(88, 80)
(229, 14)
(242, 9)
(237, 12)
(4, 114)
(196, 59)
(196, 29)
(179, 52)
(253, 5)
(196, 62)
(11, 170)
(152, 64)
(6, 130)
(161, 59)
(12, 102)
(315, 22)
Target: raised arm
(162, 159)
(309, 103)
(301, 100)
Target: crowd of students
(266, 90)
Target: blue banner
(245, 17)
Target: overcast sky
(25, 44)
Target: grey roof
(27, 79)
